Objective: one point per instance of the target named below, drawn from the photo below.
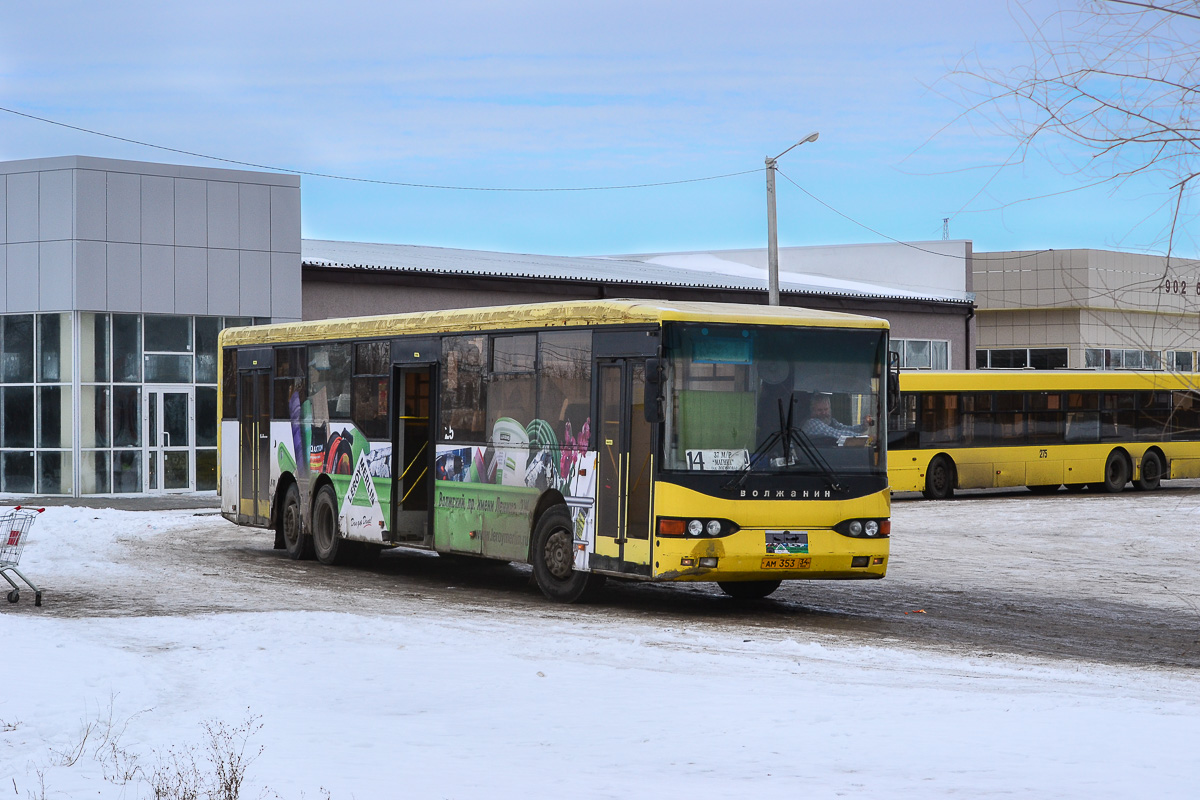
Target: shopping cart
(14, 532)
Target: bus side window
(369, 399)
(228, 384)
(1010, 416)
(564, 381)
(464, 393)
(939, 419)
(290, 390)
(1083, 417)
(1185, 419)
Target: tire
(939, 479)
(553, 558)
(1045, 488)
(1116, 473)
(748, 590)
(298, 544)
(14, 596)
(1152, 471)
(328, 544)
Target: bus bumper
(749, 555)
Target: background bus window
(1118, 417)
(329, 381)
(939, 419)
(903, 428)
(1045, 421)
(369, 404)
(565, 381)
(463, 390)
(513, 381)
(1185, 419)
(289, 382)
(977, 418)
(1083, 417)
(1008, 424)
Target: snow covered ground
(422, 699)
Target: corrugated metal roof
(483, 263)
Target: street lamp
(772, 230)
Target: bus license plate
(785, 562)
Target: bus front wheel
(298, 544)
(939, 479)
(748, 590)
(1116, 472)
(327, 542)
(554, 560)
(1152, 470)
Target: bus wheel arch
(290, 531)
(328, 545)
(552, 556)
(940, 477)
(547, 500)
(1117, 470)
(1150, 474)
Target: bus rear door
(254, 422)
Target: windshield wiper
(788, 435)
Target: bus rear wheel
(1152, 470)
(298, 544)
(554, 560)
(748, 590)
(1116, 473)
(939, 479)
(327, 542)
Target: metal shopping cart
(14, 532)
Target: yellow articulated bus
(1042, 429)
(627, 438)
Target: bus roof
(543, 315)
(1047, 380)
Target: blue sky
(546, 94)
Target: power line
(372, 180)
(897, 241)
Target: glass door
(624, 494)
(169, 419)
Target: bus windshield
(773, 399)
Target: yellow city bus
(635, 439)
(1043, 429)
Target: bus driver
(822, 424)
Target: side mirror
(893, 381)
(653, 405)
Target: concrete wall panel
(191, 280)
(158, 210)
(286, 297)
(191, 213)
(55, 271)
(3, 209)
(285, 219)
(124, 210)
(224, 282)
(91, 276)
(255, 283)
(124, 277)
(3, 278)
(91, 201)
(22, 277)
(223, 215)
(158, 279)
(22, 207)
(55, 198)
(254, 216)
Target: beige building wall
(1081, 299)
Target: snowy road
(1056, 658)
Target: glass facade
(922, 353)
(99, 403)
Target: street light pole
(772, 225)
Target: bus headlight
(695, 527)
(856, 527)
(689, 528)
(871, 528)
(864, 528)
(713, 528)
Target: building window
(1181, 360)
(922, 353)
(1113, 358)
(1022, 358)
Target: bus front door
(624, 453)
(412, 453)
(254, 422)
